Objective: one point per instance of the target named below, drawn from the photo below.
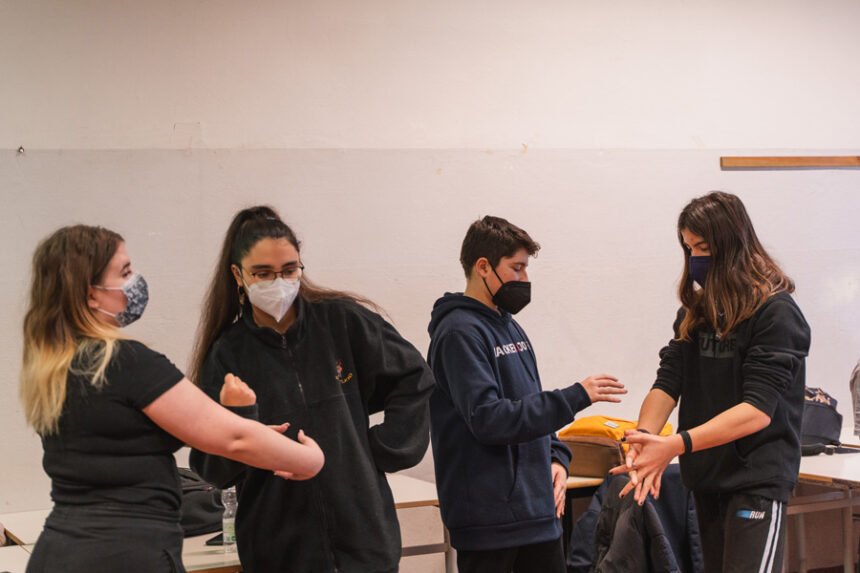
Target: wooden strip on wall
(791, 161)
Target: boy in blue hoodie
(501, 473)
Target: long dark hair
(741, 275)
(222, 305)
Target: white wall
(382, 129)
(653, 74)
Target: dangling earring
(241, 293)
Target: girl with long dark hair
(323, 361)
(737, 366)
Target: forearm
(218, 470)
(503, 422)
(257, 445)
(401, 439)
(735, 423)
(215, 430)
(464, 368)
(655, 411)
(396, 445)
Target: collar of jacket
(271, 336)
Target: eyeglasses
(270, 275)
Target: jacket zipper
(317, 492)
(295, 369)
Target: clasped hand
(645, 462)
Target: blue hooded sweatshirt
(492, 428)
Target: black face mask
(512, 296)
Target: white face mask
(273, 297)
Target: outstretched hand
(603, 388)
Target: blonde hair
(61, 334)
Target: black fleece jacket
(338, 363)
(762, 363)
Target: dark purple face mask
(699, 269)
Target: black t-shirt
(107, 451)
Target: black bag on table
(821, 423)
(202, 510)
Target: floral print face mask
(137, 295)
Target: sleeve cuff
(563, 461)
(251, 412)
(576, 397)
(561, 453)
(667, 388)
(765, 404)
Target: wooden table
(202, 558)
(577, 482)
(841, 473)
(24, 528)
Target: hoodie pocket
(491, 477)
(515, 469)
(532, 496)
(742, 451)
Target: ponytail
(222, 305)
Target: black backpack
(821, 423)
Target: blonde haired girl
(111, 412)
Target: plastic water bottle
(228, 498)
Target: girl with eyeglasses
(323, 361)
(111, 412)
